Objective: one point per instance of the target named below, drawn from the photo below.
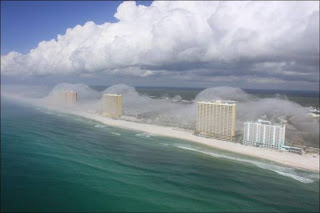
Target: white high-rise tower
(263, 133)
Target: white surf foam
(284, 171)
(144, 134)
(296, 177)
(99, 126)
(47, 112)
(115, 133)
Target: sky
(266, 45)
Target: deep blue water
(57, 162)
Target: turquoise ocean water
(53, 162)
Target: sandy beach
(308, 162)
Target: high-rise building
(217, 119)
(68, 98)
(263, 133)
(112, 105)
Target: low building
(293, 149)
(112, 105)
(217, 119)
(314, 115)
(264, 134)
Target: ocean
(55, 162)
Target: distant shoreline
(307, 162)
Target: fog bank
(174, 112)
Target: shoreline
(307, 162)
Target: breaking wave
(144, 134)
(284, 171)
(99, 126)
(115, 133)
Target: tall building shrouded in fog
(217, 119)
(263, 133)
(68, 98)
(112, 105)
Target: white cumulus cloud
(270, 40)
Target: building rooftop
(265, 122)
(225, 102)
(111, 95)
(69, 91)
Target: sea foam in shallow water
(284, 171)
(99, 126)
(144, 134)
(115, 133)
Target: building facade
(112, 105)
(69, 98)
(263, 133)
(217, 119)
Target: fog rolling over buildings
(301, 128)
(66, 98)
(112, 105)
(161, 111)
(160, 106)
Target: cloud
(268, 41)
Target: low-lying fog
(173, 112)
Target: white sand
(309, 162)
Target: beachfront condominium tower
(68, 98)
(112, 105)
(217, 119)
(263, 133)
